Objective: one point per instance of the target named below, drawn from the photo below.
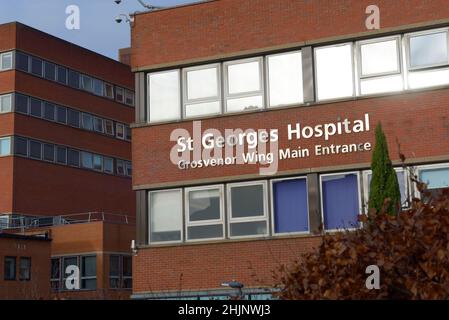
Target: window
(87, 160)
(5, 146)
(5, 103)
(98, 87)
(87, 121)
(49, 111)
(89, 272)
(380, 65)
(127, 272)
(165, 209)
(73, 118)
(22, 61)
(61, 114)
(6, 61)
(202, 93)
(247, 209)
(61, 74)
(74, 79)
(24, 269)
(10, 268)
(403, 186)
(290, 206)
(120, 167)
(109, 127)
(127, 133)
(21, 146)
(35, 150)
(67, 262)
(108, 165)
(49, 71)
(73, 157)
(61, 155)
(55, 274)
(164, 98)
(114, 272)
(36, 66)
(109, 90)
(129, 97)
(97, 162)
(428, 50)
(21, 103)
(120, 131)
(334, 72)
(435, 176)
(285, 84)
(98, 125)
(49, 152)
(86, 83)
(340, 201)
(120, 94)
(204, 213)
(128, 169)
(243, 85)
(36, 107)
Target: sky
(98, 30)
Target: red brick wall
(227, 26)
(39, 286)
(206, 266)
(7, 36)
(6, 179)
(414, 119)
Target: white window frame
(149, 217)
(248, 219)
(10, 146)
(180, 102)
(366, 186)
(117, 124)
(185, 99)
(267, 81)
(322, 198)
(112, 134)
(111, 86)
(11, 103)
(10, 53)
(315, 72)
(407, 38)
(81, 264)
(189, 223)
(228, 96)
(424, 167)
(273, 232)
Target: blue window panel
(290, 206)
(435, 178)
(340, 201)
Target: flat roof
(195, 3)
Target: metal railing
(18, 221)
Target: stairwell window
(334, 71)
(5, 146)
(244, 84)
(202, 90)
(380, 65)
(5, 103)
(204, 212)
(428, 58)
(165, 221)
(6, 61)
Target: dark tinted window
(73, 118)
(25, 269)
(61, 114)
(74, 79)
(36, 66)
(62, 75)
(61, 155)
(88, 121)
(73, 157)
(35, 149)
(22, 61)
(49, 111)
(36, 108)
(50, 71)
(21, 146)
(10, 268)
(21, 103)
(49, 152)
